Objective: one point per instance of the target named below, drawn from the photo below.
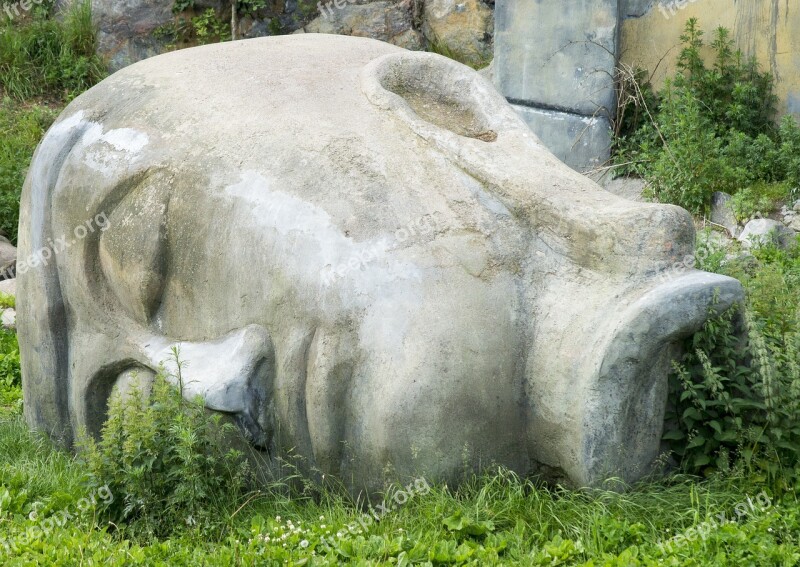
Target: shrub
(9, 359)
(710, 129)
(165, 461)
(10, 374)
(758, 200)
(735, 393)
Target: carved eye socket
(133, 250)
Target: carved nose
(232, 374)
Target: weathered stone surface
(384, 20)
(8, 259)
(8, 317)
(758, 232)
(464, 27)
(9, 287)
(387, 272)
(126, 29)
(722, 213)
(631, 188)
(582, 142)
(557, 54)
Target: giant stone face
(367, 259)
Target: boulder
(126, 29)
(759, 232)
(462, 28)
(8, 259)
(631, 188)
(722, 213)
(9, 287)
(8, 316)
(386, 20)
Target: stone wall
(462, 29)
(555, 60)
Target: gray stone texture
(557, 54)
(556, 60)
(125, 29)
(759, 232)
(722, 213)
(582, 142)
(384, 20)
(386, 273)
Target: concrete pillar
(555, 61)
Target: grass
(48, 57)
(21, 128)
(496, 519)
(44, 63)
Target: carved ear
(133, 250)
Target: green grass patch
(46, 57)
(21, 128)
(49, 516)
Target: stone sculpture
(366, 257)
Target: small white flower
(321, 518)
(277, 518)
(304, 543)
(322, 527)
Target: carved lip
(624, 416)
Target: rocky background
(131, 30)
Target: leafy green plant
(209, 28)
(21, 128)
(758, 199)
(10, 375)
(49, 57)
(735, 393)
(710, 129)
(165, 460)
